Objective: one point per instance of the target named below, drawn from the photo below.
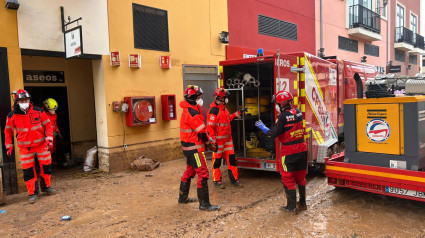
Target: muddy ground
(129, 204)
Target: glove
(9, 151)
(243, 110)
(261, 126)
(212, 146)
(49, 145)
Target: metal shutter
(399, 55)
(348, 44)
(277, 28)
(372, 50)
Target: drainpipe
(321, 50)
(388, 31)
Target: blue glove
(261, 126)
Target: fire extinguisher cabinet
(141, 111)
(169, 110)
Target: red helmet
(283, 97)
(192, 90)
(20, 94)
(221, 93)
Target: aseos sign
(39, 76)
(73, 42)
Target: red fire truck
(319, 88)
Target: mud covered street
(129, 204)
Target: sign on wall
(114, 58)
(73, 42)
(134, 61)
(40, 76)
(165, 62)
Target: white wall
(39, 24)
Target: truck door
(288, 81)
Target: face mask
(226, 100)
(200, 102)
(52, 112)
(24, 106)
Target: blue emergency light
(260, 52)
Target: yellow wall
(9, 39)
(79, 83)
(193, 28)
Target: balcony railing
(418, 41)
(361, 16)
(402, 34)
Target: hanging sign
(114, 58)
(165, 62)
(73, 42)
(41, 76)
(134, 61)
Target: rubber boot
(233, 180)
(219, 184)
(291, 202)
(204, 198)
(50, 191)
(32, 198)
(184, 193)
(302, 205)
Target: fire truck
(319, 88)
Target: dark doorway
(10, 184)
(60, 94)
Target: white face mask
(200, 102)
(52, 112)
(24, 105)
(226, 100)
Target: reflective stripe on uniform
(44, 153)
(186, 130)
(193, 147)
(35, 127)
(39, 140)
(283, 164)
(198, 161)
(21, 129)
(27, 161)
(27, 156)
(44, 158)
(228, 148)
(24, 142)
(228, 143)
(45, 122)
(223, 124)
(220, 146)
(212, 124)
(222, 137)
(9, 127)
(9, 146)
(200, 127)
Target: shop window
(399, 55)
(277, 28)
(150, 26)
(348, 44)
(413, 59)
(372, 50)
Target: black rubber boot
(291, 202)
(50, 191)
(184, 193)
(302, 205)
(204, 198)
(32, 198)
(233, 180)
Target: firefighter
(50, 106)
(293, 165)
(193, 136)
(34, 137)
(218, 126)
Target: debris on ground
(144, 164)
(91, 159)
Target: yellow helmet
(50, 104)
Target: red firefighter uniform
(290, 133)
(218, 127)
(192, 124)
(33, 129)
(53, 120)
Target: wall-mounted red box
(169, 110)
(141, 111)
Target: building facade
(271, 25)
(139, 52)
(377, 32)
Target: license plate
(370, 186)
(270, 165)
(406, 192)
(248, 164)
